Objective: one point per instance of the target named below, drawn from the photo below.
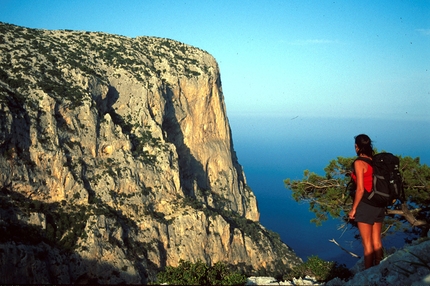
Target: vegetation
(36, 59)
(188, 273)
(323, 271)
(327, 195)
(249, 228)
(64, 226)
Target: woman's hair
(364, 145)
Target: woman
(369, 218)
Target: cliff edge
(117, 160)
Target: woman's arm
(360, 168)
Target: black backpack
(387, 181)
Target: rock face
(116, 160)
(407, 266)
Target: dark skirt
(369, 214)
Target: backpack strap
(367, 160)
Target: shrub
(320, 269)
(199, 273)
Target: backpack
(387, 181)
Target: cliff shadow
(191, 171)
(105, 105)
(45, 250)
(15, 144)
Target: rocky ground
(272, 281)
(407, 266)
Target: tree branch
(408, 215)
(347, 251)
(322, 184)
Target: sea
(274, 148)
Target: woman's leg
(376, 241)
(366, 238)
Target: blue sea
(271, 149)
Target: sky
(340, 59)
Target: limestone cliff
(116, 160)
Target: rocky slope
(116, 160)
(407, 266)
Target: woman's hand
(351, 214)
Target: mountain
(116, 160)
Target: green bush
(199, 273)
(322, 270)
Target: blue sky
(360, 59)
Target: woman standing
(369, 218)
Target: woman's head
(363, 145)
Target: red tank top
(368, 178)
